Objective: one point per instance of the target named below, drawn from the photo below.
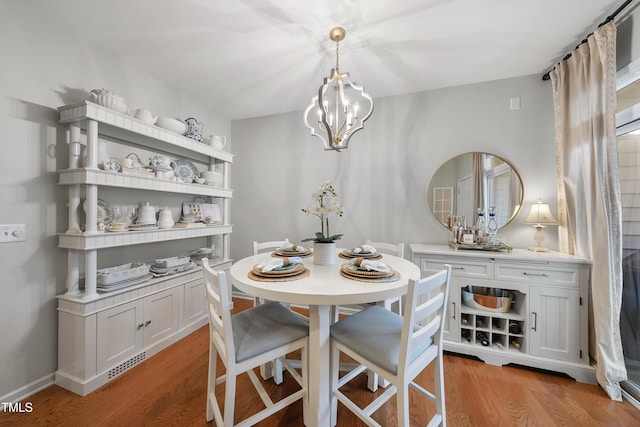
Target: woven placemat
(392, 278)
(355, 256)
(257, 278)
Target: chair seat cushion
(375, 334)
(265, 327)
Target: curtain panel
(589, 204)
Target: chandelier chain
(337, 56)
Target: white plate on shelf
(126, 284)
(121, 273)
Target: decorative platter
(185, 170)
(104, 212)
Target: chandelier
(341, 106)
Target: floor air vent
(126, 365)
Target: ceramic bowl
(174, 125)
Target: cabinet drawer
(544, 274)
(459, 268)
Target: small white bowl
(199, 180)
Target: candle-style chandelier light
(341, 106)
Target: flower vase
(324, 253)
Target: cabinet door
(119, 333)
(554, 329)
(195, 303)
(161, 315)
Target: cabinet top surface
(515, 255)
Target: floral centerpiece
(326, 204)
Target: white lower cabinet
(125, 330)
(546, 325)
(101, 338)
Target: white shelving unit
(101, 335)
(550, 307)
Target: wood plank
(170, 389)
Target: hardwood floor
(170, 387)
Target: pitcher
(194, 127)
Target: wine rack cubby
(496, 330)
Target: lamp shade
(540, 214)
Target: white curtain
(589, 206)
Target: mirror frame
(454, 170)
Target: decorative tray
(481, 247)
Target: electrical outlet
(13, 233)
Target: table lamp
(540, 216)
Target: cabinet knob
(147, 323)
(140, 325)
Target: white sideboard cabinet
(101, 335)
(546, 326)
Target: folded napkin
(364, 248)
(270, 264)
(373, 265)
(288, 246)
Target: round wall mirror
(473, 181)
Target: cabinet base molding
(578, 371)
(84, 387)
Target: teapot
(165, 218)
(194, 129)
(218, 142)
(107, 98)
(159, 162)
(132, 161)
(146, 214)
(142, 115)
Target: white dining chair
(397, 348)
(396, 249)
(247, 340)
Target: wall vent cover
(127, 364)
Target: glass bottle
(480, 223)
(492, 225)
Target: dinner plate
(288, 252)
(354, 270)
(287, 270)
(348, 253)
(185, 170)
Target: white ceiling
(249, 58)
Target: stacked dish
(166, 266)
(349, 253)
(287, 270)
(292, 251)
(353, 271)
(201, 253)
(122, 276)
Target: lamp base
(538, 249)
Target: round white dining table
(323, 288)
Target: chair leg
(229, 398)
(211, 380)
(439, 389)
(402, 401)
(277, 371)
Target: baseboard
(24, 392)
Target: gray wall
(44, 67)
(381, 178)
